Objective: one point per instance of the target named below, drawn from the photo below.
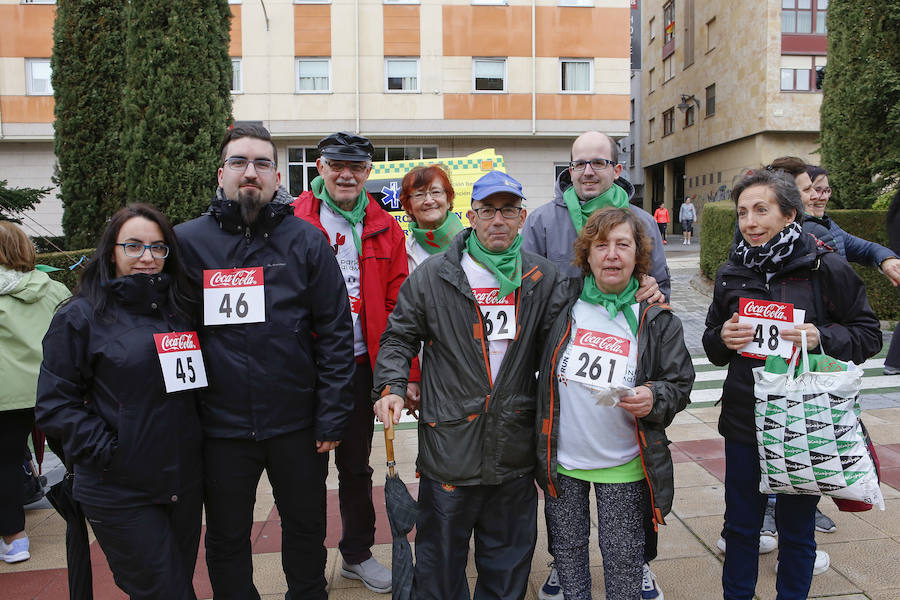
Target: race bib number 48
(499, 313)
(596, 359)
(181, 360)
(232, 296)
(768, 319)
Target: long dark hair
(101, 269)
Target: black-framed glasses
(237, 163)
(596, 164)
(354, 166)
(136, 250)
(435, 193)
(487, 212)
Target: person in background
(892, 360)
(661, 214)
(103, 392)
(28, 299)
(687, 214)
(427, 197)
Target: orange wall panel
(401, 31)
(582, 32)
(487, 30)
(487, 106)
(26, 30)
(312, 30)
(27, 109)
(235, 48)
(583, 106)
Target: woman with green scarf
(427, 197)
(613, 377)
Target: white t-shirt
(591, 436)
(481, 278)
(340, 236)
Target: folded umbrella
(401, 512)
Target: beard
(251, 202)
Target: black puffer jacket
(472, 431)
(293, 370)
(101, 393)
(846, 323)
(664, 365)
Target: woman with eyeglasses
(427, 197)
(116, 385)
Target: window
(710, 34)
(795, 80)
(631, 156)
(401, 74)
(689, 116)
(383, 153)
(669, 22)
(489, 74)
(820, 77)
(587, 3)
(650, 124)
(489, 2)
(668, 122)
(301, 169)
(313, 75)
(689, 36)
(632, 110)
(576, 75)
(652, 28)
(804, 16)
(39, 1)
(236, 83)
(401, 1)
(711, 100)
(704, 179)
(668, 69)
(651, 75)
(37, 77)
(719, 177)
(558, 169)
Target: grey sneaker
(824, 523)
(768, 526)
(373, 574)
(891, 370)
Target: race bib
(768, 319)
(596, 359)
(232, 296)
(181, 360)
(499, 313)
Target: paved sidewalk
(864, 550)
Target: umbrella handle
(389, 446)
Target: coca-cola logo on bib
(488, 296)
(767, 310)
(604, 342)
(229, 278)
(178, 341)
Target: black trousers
(151, 550)
(15, 426)
(354, 472)
(504, 519)
(232, 468)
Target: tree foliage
(861, 104)
(88, 67)
(177, 102)
(15, 201)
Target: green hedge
(64, 260)
(717, 234)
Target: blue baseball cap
(495, 182)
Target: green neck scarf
(506, 265)
(353, 217)
(614, 303)
(614, 196)
(436, 240)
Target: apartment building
(420, 78)
(727, 86)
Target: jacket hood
(564, 182)
(25, 287)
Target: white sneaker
(649, 586)
(823, 561)
(766, 544)
(15, 552)
(373, 574)
(551, 590)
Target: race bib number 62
(232, 296)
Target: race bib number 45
(232, 296)
(181, 360)
(596, 359)
(499, 313)
(768, 319)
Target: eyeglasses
(355, 167)
(135, 250)
(596, 164)
(487, 212)
(262, 165)
(436, 194)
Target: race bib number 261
(232, 296)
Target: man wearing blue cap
(483, 309)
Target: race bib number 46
(597, 359)
(768, 319)
(232, 296)
(181, 360)
(499, 313)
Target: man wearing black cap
(370, 249)
(279, 356)
(483, 308)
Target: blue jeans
(794, 515)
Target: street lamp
(685, 100)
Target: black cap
(346, 146)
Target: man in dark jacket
(370, 249)
(483, 309)
(278, 344)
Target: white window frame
(489, 2)
(239, 88)
(302, 59)
(398, 59)
(29, 79)
(402, 2)
(668, 67)
(476, 61)
(38, 1)
(590, 64)
(312, 1)
(576, 3)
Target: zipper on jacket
(553, 364)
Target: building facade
(727, 86)
(421, 79)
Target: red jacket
(661, 214)
(383, 267)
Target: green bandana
(613, 302)
(506, 266)
(614, 196)
(353, 217)
(436, 240)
